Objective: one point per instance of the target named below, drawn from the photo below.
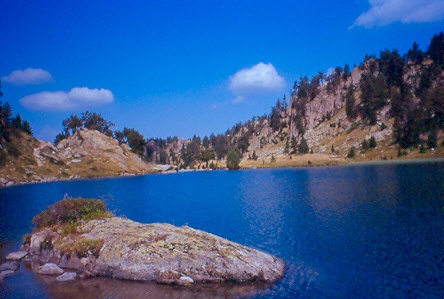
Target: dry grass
(294, 161)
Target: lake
(361, 231)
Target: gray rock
(67, 276)
(170, 254)
(9, 184)
(74, 263)
(185, 280)
(3, 274)
(37, 239)
(50, 269)
(16, 256)
(10, 266)
(63, 261)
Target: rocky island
(78, 238)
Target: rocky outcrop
(163, 253)
(86, 153)
(93, 147)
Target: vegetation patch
(69, 211)
(84, 247)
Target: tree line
(10, 128)
(415, 100)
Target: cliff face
(87, 153)
(327, 129)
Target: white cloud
(76, 98)
(384, 12)
(238, 99)
(258, 79)
(28, 76)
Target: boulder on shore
(67, 276)
(51, 269)
(16, 256)
(166, 254)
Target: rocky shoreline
(124, 249)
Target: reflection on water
(358, 231)
(102, 287)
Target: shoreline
(334, 163)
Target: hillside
(386, 108)
(389, 107)
(85, 154)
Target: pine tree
(233, 159)
(303, 146)
(350, 103)
(436, 49)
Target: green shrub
(233, 159)
(351, 153)
(303, 146)
(372, 142)
(365, 145)
(71, 210)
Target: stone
(37, 239)
(50, 269)
(185, 280)
(67, 276)
(74, 263)
(10, 183)
(63, 261)
(175, 255)
(10, 266)
(16, 256)
(157, 252)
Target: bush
(432, 140)
(365, 145)
(372, 142)
(351, 153)
(303, 146)
(70, 211)
(233, 160)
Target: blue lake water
(349, 231)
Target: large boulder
(179, 255)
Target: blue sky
(181, 68)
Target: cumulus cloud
(384, 12)
(76, 98)
(258, 79)
(28, 76)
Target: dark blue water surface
(352, 231)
